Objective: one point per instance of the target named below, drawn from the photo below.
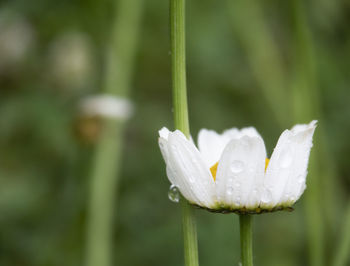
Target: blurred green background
(269, 64)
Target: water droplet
(237, 166)
(286, 158)
(301, 179)
(230, 180)
(267, 196)
(255, 191)
(174, 194)
(191, 179)
(292, 198)
(229, 190)
(238, 201)
(237, 184)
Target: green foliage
(46, 149)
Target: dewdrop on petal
(230, 172)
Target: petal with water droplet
(192, 174)
(243, 162)
(287, 169)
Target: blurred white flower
(16, 39)
(71, 62)
(230, 171)
(106, 106)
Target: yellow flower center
(267, 160)
(214, 168)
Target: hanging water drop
(174, 194)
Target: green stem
(178, 60)
(342, 253)
(246, 232)
(105, 167)
(190, 234)
(178, 64)
(305, 101)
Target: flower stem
(246, 232)
(121, 50)
(190, 234)
(178, 63)
(342, 252)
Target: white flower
(230, 171)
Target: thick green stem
(178, 60)
(104, 175)
(178, 64)
(246, 232)
(190, 234)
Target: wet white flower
(230, 171)
(71, 61)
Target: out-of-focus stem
(104, 174)
(343, 249)
(246, 233)
(262, 55)
(178, 59)
(306, 101)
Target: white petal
(302, 127)
(163, 145)
(240, 172)
(211, 146)
(164, 133)
(235, 133)
(232, 133)
(286, 173)
(191, 174)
